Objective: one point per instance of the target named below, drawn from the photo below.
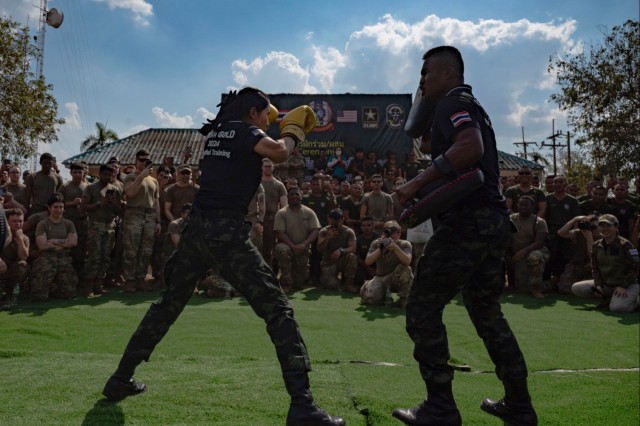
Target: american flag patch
(460, 117)
(347, 116)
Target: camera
(3, 192)
(387, 237)
(149, 163)
(587, 225)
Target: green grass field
(217, 366)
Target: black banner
(370, 122)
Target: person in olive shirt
(74, 211)
(615, 263)
(53, 273)
(102, 202)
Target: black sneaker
(118, 388)
(521, 414)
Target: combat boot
(118, 388)
(303, 411)
(515, 409)
(349, 286)
(87, 291)
(439, 409)
(98, 287)
(129, 286)
(143, 285)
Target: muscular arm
(275, 150)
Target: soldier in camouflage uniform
(337, 244)
(141, 222)
(73, 211)
(53, 272)
(101, 200)
(465, 254)
(214, 234)
(14, 269)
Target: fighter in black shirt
(214, 234)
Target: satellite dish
(55, 18)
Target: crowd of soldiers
(331, 223)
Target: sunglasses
(185, 172)
(523, 173)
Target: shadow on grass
(372, 313)
(104, 413)
(40, 308)
(527, 301)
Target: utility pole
(53, 18)
(524, 144)
(553, 145)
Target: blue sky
(136, 64)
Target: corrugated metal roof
(160, 143)
(511, 162)
(163, 143)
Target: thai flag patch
(258, 132)
(460, 117)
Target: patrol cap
(335, 214)
(608, 218)
(113, 160)
(184, 168)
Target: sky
(138, 64)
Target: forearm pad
(440, 195)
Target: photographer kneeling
(582, 231)
(392, 257)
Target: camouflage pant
(79, 252)
(573, 272)
(347, 265)
(17, 273)
(53, 272)
(528, 272)
(465, 254)
(138, 236)
(294, 268)
(220, 240)
(374, 290)
(100, 240)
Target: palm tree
(100, 139)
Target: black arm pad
(440, 195)
(420, 116)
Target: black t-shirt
(458, 111)
(231, 169)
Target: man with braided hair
(214, 234)
(465, 254)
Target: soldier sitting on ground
(14, 268)
(53, 272)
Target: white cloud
(506, 62)
(132, 131)
(142, 10)
(167, 119)
(73, 120)
(205, 113)
(276, 72)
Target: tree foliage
(599, 89)
(100, 139)
(28, 110)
